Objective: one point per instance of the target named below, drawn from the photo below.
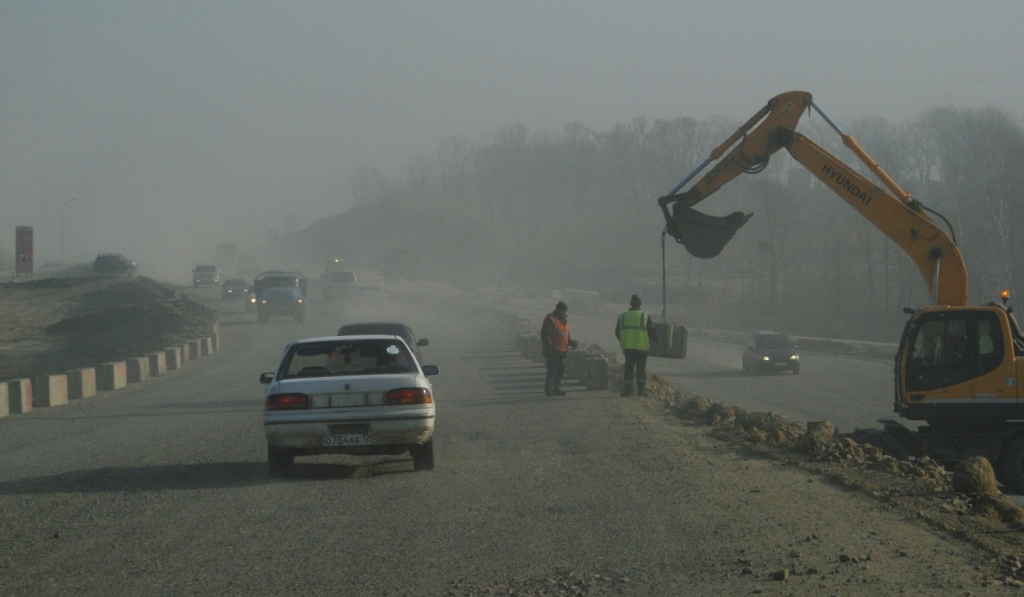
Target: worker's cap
(634, 301)
(561, 306)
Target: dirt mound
(58, 324)
(124, 330)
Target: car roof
(350, 337)
(385, 326)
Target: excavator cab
(959, 360)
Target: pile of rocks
(818, 442)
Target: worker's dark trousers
(635, 359)
(556, 369)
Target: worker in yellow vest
(555, 341)
(635, 332)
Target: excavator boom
(898, 215)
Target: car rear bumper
(310, 434)
(288, 309)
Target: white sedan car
(361, 395)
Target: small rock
(817, 439)
(781, 574)
(975, 475)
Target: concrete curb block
(137, 369)
(596, 373)
(50, 390)
(81, 383)
(172, 358)
(205, 347)
(534, 349)
(19, 395)
(111, 376)
(157, 363)
(192, 348)
(5, 405)
(575, 365)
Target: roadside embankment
(65, 339)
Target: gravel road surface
(162, 489)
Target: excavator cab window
(951, 348)
(1018, 337)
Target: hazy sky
(177, 125)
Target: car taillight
(409, 396)
(286, 402)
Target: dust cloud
(521, 145)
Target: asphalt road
(161, 489)
(851, 392)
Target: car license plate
(354, 439)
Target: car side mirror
(266, 377)
(431, 370)
(422, 342)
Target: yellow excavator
(958, 366)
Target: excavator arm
(898, 215)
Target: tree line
(578, 208)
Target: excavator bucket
(704, 236)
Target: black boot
(627, 389)
(641, 389)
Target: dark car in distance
(234, 288)
(114, 263)
(770, 352)
(390, 328)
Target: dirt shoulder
(56, 324)
(921, 489)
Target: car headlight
(299, 301)
(766, 358)
(794, 358)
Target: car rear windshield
(341, 277)
(774, 341)
(347, 357)
(397, 329)
(280, 282)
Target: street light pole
(62, 227)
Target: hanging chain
(664, 293)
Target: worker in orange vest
(555, 341)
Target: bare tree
(368, 184)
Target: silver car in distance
(360, 395)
